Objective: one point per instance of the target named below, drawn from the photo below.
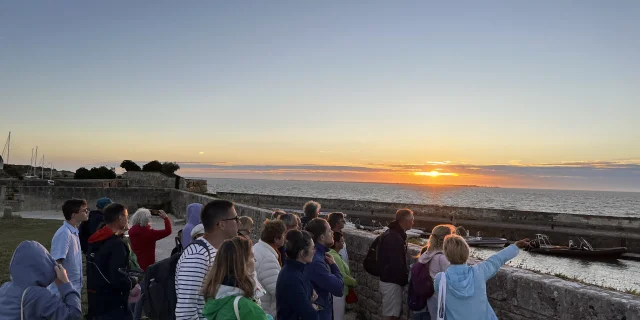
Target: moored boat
(583, 249)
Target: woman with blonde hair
(245, 227)
(433, 258)
(462, 289)
(230, 289)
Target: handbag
(351, 297)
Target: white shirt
(191, 270)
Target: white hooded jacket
(267, 270)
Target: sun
(434, 173)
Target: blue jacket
(467, 289)
(326, 280)
(193, 219)
(32, 267)
(293, 293)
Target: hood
(213, 307)
(101, 235)
(32, 265)
(461, 281)
(427, 256)
(395, 226)
(193, 213)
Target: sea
(623, 275)
(601, 203)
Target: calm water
(622, 275)
(564, 201)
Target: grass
(15, 230)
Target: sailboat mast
(8, 147)
(42, 167)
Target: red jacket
(143, 242)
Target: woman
(26, 296)
(349, 281)
(229, 284)
(143, 238)
(463, 295)
(245, 227)
(432, 256)
(269, 261)
(294, 293)
(193, 219)
(197, 231)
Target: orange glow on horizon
(435, 173)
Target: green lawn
(15, 230)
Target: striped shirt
(191, 270)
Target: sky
(530, 94)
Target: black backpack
(159, 299)
(370, 263)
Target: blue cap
(103, 202)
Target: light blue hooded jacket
(193, 219)
(33, 267)
(467, 287)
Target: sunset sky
(539, 94)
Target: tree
(170, 168)
(95, 173)
(82, 173)
(153, 166)
(129, 165)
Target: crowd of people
(297, 269)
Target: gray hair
(311, 209)
(289, 219)
(142, 217)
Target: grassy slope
(15, 230)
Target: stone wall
(600, 231)
(92, 183)
(181, 199)
(514, 294)
(153, 179)
(197, 185)
(52, 198)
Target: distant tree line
(95, 173)
(168, 168)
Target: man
(394, 273)
(220, 222)
(337, 221)
(107, 286)
(311, 211)
(323, 272)
(91, 226)
(65, 245)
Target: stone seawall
(52, 198)
(514, 294)
(601, 231)
(181, 199)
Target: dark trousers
(121, 313)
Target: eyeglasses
(85, 210)
(236, 218)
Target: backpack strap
(235, 307)
(22, 303)
(442, 297)
(202, 244)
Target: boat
(479, 241)
(486, 242)
(583, 249)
